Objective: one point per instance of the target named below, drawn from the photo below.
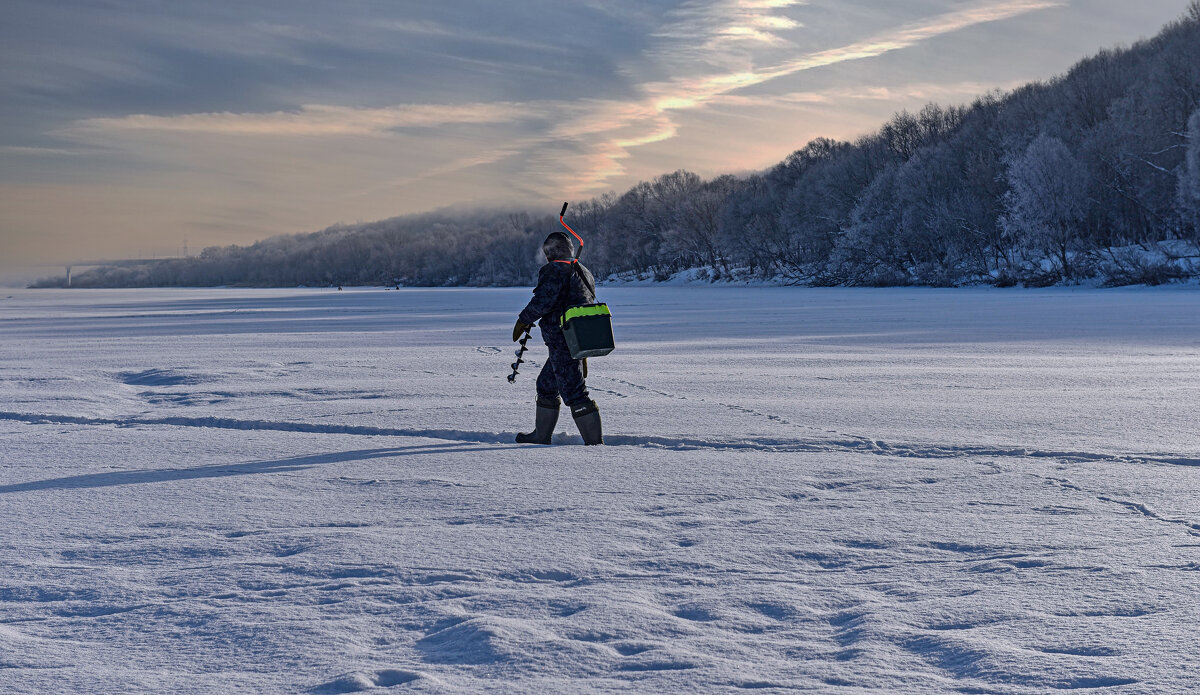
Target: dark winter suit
(559, 286)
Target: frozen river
(913, 490)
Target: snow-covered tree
(1189, 175)
(1047, 199)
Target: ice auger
(512, 378)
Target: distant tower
(185, 253)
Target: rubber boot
(587, 419)
(543, 428)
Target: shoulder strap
(584, 279)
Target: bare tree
(1188, 190)
(1047, 200)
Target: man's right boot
(543, 428)
(587, 419)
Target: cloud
(723, 29)
(442, 31)
(41, 151)
(454, 166)
(926, 91)
(590, 137)
(695, 92)
(312, 120)
(688, 93)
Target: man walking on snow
(563, 282)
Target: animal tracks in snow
(1193, 528)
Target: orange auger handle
(561, 214)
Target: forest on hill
(1092, 176)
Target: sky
(129, 128)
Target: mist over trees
(1094, 174)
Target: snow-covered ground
(981, 491)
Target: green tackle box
(588, 330)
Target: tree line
(1092, 174)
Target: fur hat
(557, 247)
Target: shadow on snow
(294, 463)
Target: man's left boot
(587, 419)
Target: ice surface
(983, 491)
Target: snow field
(834, 491)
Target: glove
(520, 329)
(584, 367)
